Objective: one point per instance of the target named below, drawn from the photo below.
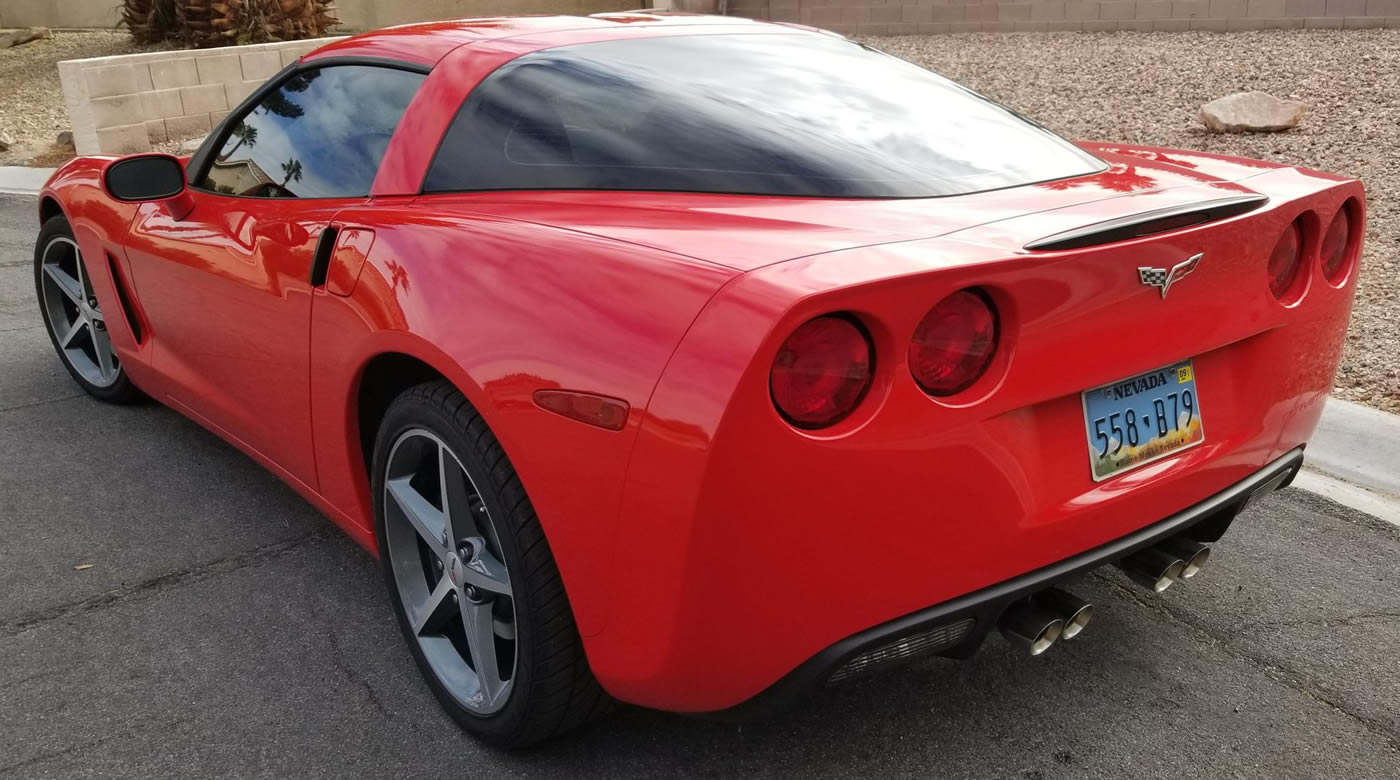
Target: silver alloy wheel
(73, 316)
(446, 557)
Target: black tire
(553, 690)
(119, 391)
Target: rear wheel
(471, 576)
(76, 325)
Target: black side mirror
(145, 177)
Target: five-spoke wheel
(446, 557)
(472, 577)
(75, 321)
(73, 313)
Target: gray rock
(1251, 112)
(65, 138)
(191, 146)
(10, 38)
(6, 141)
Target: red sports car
(697, 362)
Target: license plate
(1140, 419)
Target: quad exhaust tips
(1074, 611)
(1158, 568)
(1031, 626)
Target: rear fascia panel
(737, 529)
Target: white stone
(1251, 112)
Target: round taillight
(954, 343)
(1334, 246)
(1285, 261)
(821, 372)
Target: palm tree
(292, 170)
(246, 134)
(226, 22)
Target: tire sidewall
(409, 413)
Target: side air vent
(1149, 222)
(321, 261)
(124, 297)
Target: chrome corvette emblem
(1163, 279)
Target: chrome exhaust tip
(1033, 627)
(1076, 612)
(1153, 568)
(1194, 554)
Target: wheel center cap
(454, 570)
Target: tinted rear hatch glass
(799, 114)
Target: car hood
(745, 232)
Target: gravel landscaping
(1143, 88)
(31, 100)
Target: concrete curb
(1349, 495)
(21, 180)
(1358, 445)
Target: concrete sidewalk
(20, 180)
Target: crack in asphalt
(341, 665)
(12, 769)
(47, 402)
(1283, 674)
(1340, 620)
(156, 585)
(42, 758)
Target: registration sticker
(1140, 419)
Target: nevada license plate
(1140, 419)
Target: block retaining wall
(128, 103)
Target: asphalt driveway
(225, 629)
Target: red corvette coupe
(696, 362)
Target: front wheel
(471, 576)
(75, 323)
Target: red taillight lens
(1285, 261)
(1334, 246)
(954, 343)
(821, 372)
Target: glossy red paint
(706, 516)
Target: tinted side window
(320, 135)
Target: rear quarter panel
(503, 308)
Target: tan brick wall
(906, 17)
(122, 105)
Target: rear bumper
(958, 627)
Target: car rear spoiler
(1149, 222)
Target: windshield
(769, 114)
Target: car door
(226, 286)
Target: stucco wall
(124, 104)
(354, 14)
